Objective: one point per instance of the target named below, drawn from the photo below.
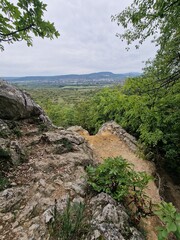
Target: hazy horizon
(69, 74)
(87, 43)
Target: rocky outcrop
(110, 220)
(117, 130)
(16, 104)
(53, 172)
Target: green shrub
(170, 219)
(71, 224)
(116, 177)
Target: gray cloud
(87, 43)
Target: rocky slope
(45, 165)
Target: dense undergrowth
(149, 113)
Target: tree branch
(17, 31)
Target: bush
(151, 116)
(116, 177)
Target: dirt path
(106, 145)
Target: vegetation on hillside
(151, 116)
(147, 106)
(116, 177)
(155, 97)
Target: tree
(152, 110)
(160, 19)
(18, 22)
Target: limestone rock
(79, 130)
(27, 207)
(110, 220)
(55, 172)
(116, 129)
(11, 153)
(16, 104)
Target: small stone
(34, 227)
(42, 182)
(58, 182)
(97, 234)
(78, 200)
(8, 193)
(8, 217)
(15, 225)
(48, 215)
(13, 184)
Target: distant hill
(100, 78)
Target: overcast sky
(87, 43)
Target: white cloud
(87, 43)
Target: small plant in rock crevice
(69, 224)
(4, 182)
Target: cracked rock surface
(44, 167)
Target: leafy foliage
(71, 224)
(151, 116)
(116, 177)
(170, 219)
(63, 106)
(18, 21)
(155, 96)
(159, 19)
(104, 106)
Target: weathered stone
(17, 154)
(79, 130)
(16, 104)
(48, 215)
(62, 137)
(11, 153)
(11, 198)
(110, 221)
(116, 129)
(55, 173)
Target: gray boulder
(16, 104)
(110, 220)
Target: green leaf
(162, 235)
(171, 227)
